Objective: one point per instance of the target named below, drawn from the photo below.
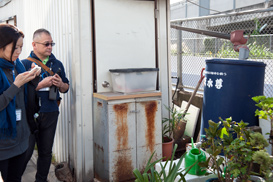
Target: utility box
(127, 130)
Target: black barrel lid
(236, 61)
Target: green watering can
(191, 157)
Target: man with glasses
(48, 108)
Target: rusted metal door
(126, 133)
(114, 139)
(122, 139)
(149, 133)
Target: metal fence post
(179, 59)
(270, 40)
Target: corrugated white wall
(54, 16)
(69, 22)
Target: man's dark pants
(47, 123)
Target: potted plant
(213, 145)
(246, 150)
(174, 170)
(171, 126)
(167, 136)
(265, 114)
(233, 150)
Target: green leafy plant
(152, 175)
(266, 106)
(209, 44)
(265, 161)
(214, 145)
(227, 51)
(257, 51)
(242, 149)
(169, 125)
(238, 146)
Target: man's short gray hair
(38, 32)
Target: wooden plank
(117, 96)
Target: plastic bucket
(229, 86)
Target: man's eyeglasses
(47, 44)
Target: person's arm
(25, 77)
(46, 82)
(8, 95)
(64, 87)
(11, 92)
(57, 81)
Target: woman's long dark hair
(9, 34)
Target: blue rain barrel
(229, 86)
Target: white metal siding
(69, 22)
(54, 16)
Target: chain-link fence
(192, 49)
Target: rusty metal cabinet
(127, 130)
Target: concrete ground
(30, 172)
(29, 175)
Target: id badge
(18, 114)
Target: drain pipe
(236, 37)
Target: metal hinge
(95, 84)
(156, 13)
